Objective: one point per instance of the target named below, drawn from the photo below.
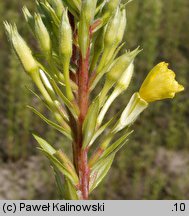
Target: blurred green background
(155, 162)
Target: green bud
(65, 51)
(65, 37)
(83, 36)
(58, 6)
(98, 48)
(122, 27)
(28, 17)
(42, 35)
(111, 31)
(116, 71)
(109, 40)
(121, 65)
(134, 108)
(109, 9)
(121, 86)
(21, 48)
(88, 10)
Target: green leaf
(103, 128)
(99, 172)
(59, 182)
(90, 123)
(73, 109)
(51, 123)
(113, 148)
(45, 145)
(70, 190)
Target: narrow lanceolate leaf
(59, 182)
(72, 108)
(51, 123)
(49, 151)
(99, 172)
(45, 145)
(90, 123)
(70, 191)
(115, 147)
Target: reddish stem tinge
(83, 100)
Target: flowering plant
(79, 43)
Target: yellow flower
(160, 84)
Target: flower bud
(88, 10)
(134, 108)
(122, 27)
(21, 48)
(111, 30)
(58, 7)
(42, 35)
(121, 86)
(65, 51)
(83, 36)
(122, 63)
(109, 9)
(28, 17)
(65, 36)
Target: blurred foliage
(153, 165)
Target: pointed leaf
(100, 171)
(51, 123)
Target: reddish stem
(83, 100)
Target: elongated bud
(109, 9)
(116, 72)
(21, 48)
(134, 108)
(109, 39)
(28, 17)
(98, 48)
(88, 10)
(121, 65)
(121, 86)
(122, 27)
(111, 30)
(65, 51)
(42, 35)
(83, 37)
(58, 6)
(65, 43)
